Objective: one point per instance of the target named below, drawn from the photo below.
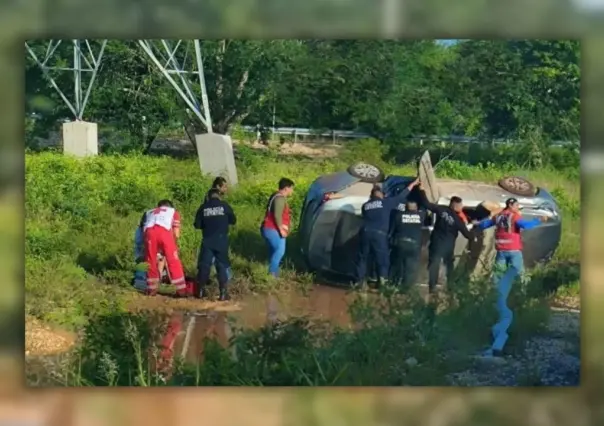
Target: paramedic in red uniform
(275, 226)
(509, 264)
(162, 229)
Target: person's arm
(462, 227)
(405, 192)
(435, 208)
(485, 224)
(230, 214)
(526, 224)
(198, 224)
(332, 196)
(176, 224)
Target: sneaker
(492, 355)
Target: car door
(427, 177)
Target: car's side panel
(330, 231)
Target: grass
(80, 220)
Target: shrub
(81, 216)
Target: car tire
(518, 186)
(367, 173)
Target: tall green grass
(80, 217)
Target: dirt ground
(310, 149)
(40, 339)
(305, 149)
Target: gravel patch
(552, 359)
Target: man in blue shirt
(509, 264)
(375, 231)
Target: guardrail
(351, 134)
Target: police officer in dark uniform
(213, 219)
(375, 232)
(442, 240)
(406, 243)
(220, 184)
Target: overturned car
(330, 225)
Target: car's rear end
(330, 227)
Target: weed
(80, 220)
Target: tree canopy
(389, 89)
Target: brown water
(192, 327)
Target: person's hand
(415, 182)
(544, 218)
(284, 231)
(474, 222)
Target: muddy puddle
(187, 330)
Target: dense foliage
(389, 89)
(80, 220)
(81, 214)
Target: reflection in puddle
(187, 331)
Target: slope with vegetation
(81, 214)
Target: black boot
(224, 295)
(202, 293)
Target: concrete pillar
(80, 138)
(216, 156)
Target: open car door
(427, 177)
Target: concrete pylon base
(80, 139)
(216, 156)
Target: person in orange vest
(509, 264)
(162, 229)
(463, 217)
(276, 224)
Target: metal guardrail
(351, 134)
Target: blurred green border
(328, 18)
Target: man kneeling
(162, 229)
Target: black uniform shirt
(407, 225)
(448, 223)
(376, 214)
(213, 218)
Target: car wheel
(366, 172)
(518, 186)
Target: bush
(81, 216)
(80, 220)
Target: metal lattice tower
(83, 61)
(163, 53)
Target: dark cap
(510, 201)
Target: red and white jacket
(165, 217)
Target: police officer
(220, 184)
(442, 240)
(406, 243)
(213, 219)
(374, 233)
